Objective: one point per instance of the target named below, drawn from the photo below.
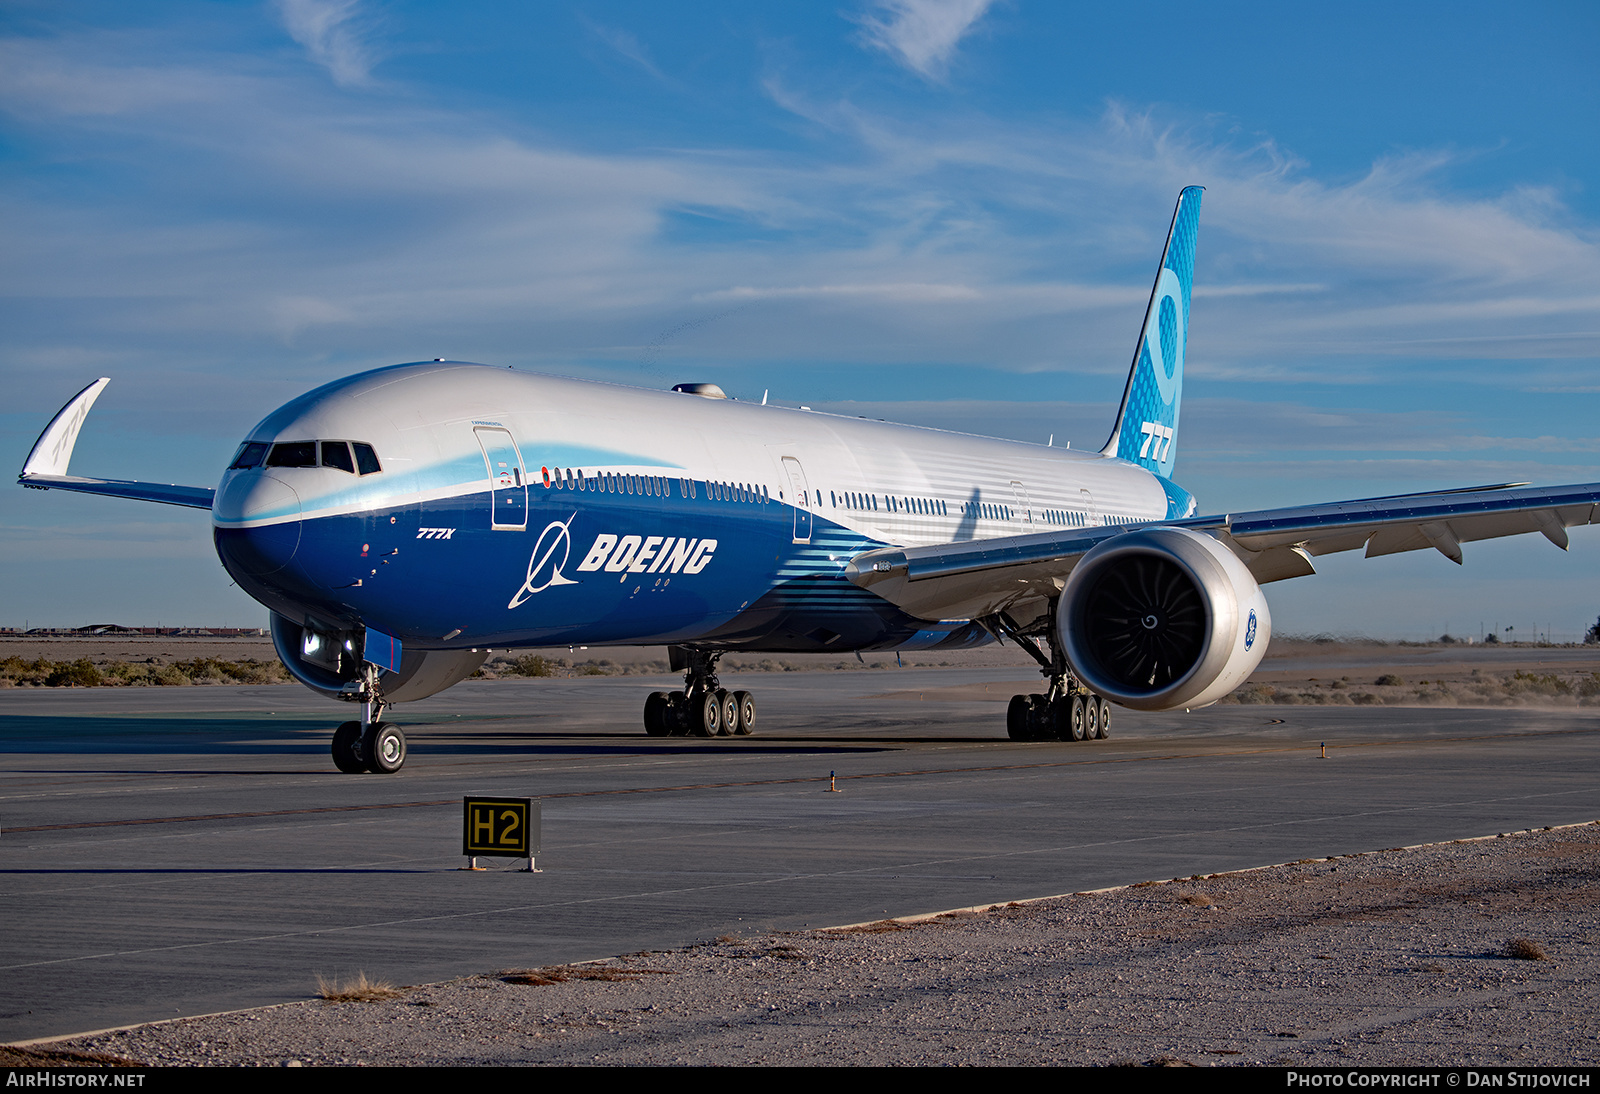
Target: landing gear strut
(1067, 711)
(370, 744)
(703, 708)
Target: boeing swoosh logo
(544, 565)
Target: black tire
(1059, 725)
(678, 714)
(347, 749)
(658, 714)
(745, 703)
(1038, 718)
(1017, 713)
(728, 715)
(384, 747)
(1076, 719)
(1105, 719)
(706, 717)
(1091, 718)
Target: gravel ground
(1399, 957)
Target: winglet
(46, 465)
(1146, 432)
(53, 450)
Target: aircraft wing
(46, 465)
(972, 579)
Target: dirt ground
(1480, 952)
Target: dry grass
(882, 926)
(12, 1056)
(560, 974)
(1199, 900)
(1525, 949)
(359, 990)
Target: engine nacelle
(326, 660)
(1162, 618)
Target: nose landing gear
(370, 744)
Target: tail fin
(1146, 432)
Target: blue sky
(943, 211)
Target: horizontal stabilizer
(46, 465)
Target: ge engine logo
(1250, 631)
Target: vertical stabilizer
(1146, 432)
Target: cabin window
(366, 459)
(337, 454)
(250, 454)
(293, 454)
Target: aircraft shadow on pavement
(252, 734)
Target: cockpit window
(250, 455)
(304, 454)
(293, 454)
(337, 454)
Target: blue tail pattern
(1146, 432)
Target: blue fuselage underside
(433, 569)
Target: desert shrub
(1389, 680)
(1525, 949)
(532, 665)
(132, 676)
(1364, 699)
(26, 672)
(203, 670)
(171, 676)
(1530, 683)
(73, 674)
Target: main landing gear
(703, 708)
(370, 744)
(1068, 711)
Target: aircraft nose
(257, 521)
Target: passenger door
(802, 499)
(508, 487)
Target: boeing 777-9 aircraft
(400, 523)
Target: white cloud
(401, 229)
(628, 46)
(331, 33)
(921, 34)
